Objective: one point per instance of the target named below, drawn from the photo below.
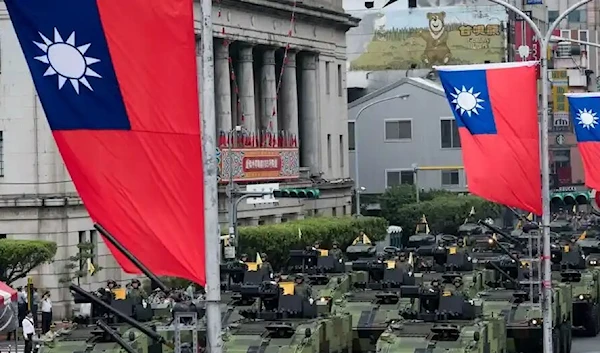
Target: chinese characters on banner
(527, 44)
(560, 85)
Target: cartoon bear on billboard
(436, 50)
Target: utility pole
(214, 343)
(544, 126)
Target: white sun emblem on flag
(587, 118)
(67, 60)
(466, 101)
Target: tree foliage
(278, 239)
(445, 211)
(18, 257)
(77, 266)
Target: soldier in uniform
(316, 245)
(244, 258)
(335, 251)
(266, 265)
(302, 289)
(136, 292)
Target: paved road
(586, 345)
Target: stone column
(222, 86)
(289, 97)
(309, 119)
(268, 90)
(246, 89)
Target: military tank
(374, 300)
(443, 322)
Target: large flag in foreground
(117, 81)
(584, 109)
(495, 107)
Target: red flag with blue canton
(584, 109)
(117, 81)
(495, 107)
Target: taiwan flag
(584, 109)
(495, 107)
(118, 84)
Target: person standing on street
(46, 312)
(35, 302)
(28, 331)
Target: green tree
(19, 257)
(77, 265)
(398, 196)
(444, 213)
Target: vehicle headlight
(535, 322)
(583, 296)
(593, 262)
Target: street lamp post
(356, 142)
(544, 42)
(232, 134)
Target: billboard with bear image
(396, 38)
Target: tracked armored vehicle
(443, 323)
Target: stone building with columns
(280, 87)
(292, 129)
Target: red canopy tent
(7, 294)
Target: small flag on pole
(258, 259)
(583, 235)
(299, 233)
(90, 266)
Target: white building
(38, 201)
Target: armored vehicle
(569, 266)
(374, 301)
(283, 321)
(524, 318)
(443, 323)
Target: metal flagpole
(211, 196)
(544, 42)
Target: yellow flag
(519, 225)
(365, 239)
(530, 217)
(258, 259)
(583, 235)
(410, 259)
(423, 222)
(574, 208)
(299, 233)
(90, 266)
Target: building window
(329, 150)
(94, 243)
(398, 177)
(1, 153)
(450, 177)
(577, 16)
(334, 212)
(351, 136)
(449, 133)
(341, 151)
(327, 78)
(552, 15)
(398, 130)
(2, 236)
(339, 80)
(82, 239)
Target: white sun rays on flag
(466, 101)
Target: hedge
(444, 213)
(276, 240)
